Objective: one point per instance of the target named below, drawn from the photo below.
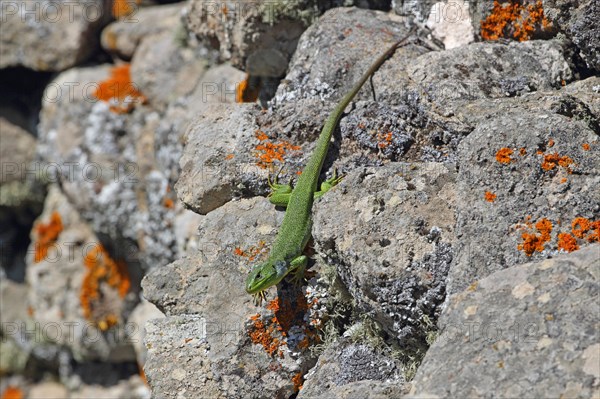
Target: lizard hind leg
(280, 193)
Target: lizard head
(265, 275)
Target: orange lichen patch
(551, 143)
(563, 180)
(119, 91)
(102, 269)
(260, 135)
(253, 252)
(385, 139)
(489, 196)
(535, 242)
(142, 374)
(298, 380)
(12, 392)
(522, 151)
(123, 8)
(594, 236)
(168, 203)
(514, 19)
(47, 234)
(580, 226)
(229, 156)
(288, 313)
(551, 161)
(585, 146)
(247, 90)
(503, 155)
(269, 152)
(567, 242)
(273, 334)
(263, 335)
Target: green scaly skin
(286, 254)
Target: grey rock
(31, 27)
(48, 390)
(577, 20)
(490, 70)
(19, 185)
(527, 331)
(588, 91)
(203, 347)
(17, 151)
(143, 313)
(344, 363)
(400, 219)
(13, 312)
(216, 86)
(364, 389)
(260, 37)
(56, 303)
(191, 285)
(123, 37)
(116, 168)
(209, 175)
(420, 10)
(490, 232)
(164, 70)
(451, 23)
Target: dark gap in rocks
(22, 93)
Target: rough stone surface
(390, 233)
(577, 20)
(209, 174)
(388, 243)
(123, 37)
(13, 311)
(451, 23)
(345, 363)
(56, 299)
(71, 28)
(418, 9)
(143, 313)
(490, 232)
(116, 168)
(203, 348)
(527, 331)
(260, 37)
(164, 70)
(361, 389)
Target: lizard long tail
(313, 167)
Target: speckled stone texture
(530, 331)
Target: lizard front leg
(297, 268)
(328, 185)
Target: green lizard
(286, 254)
